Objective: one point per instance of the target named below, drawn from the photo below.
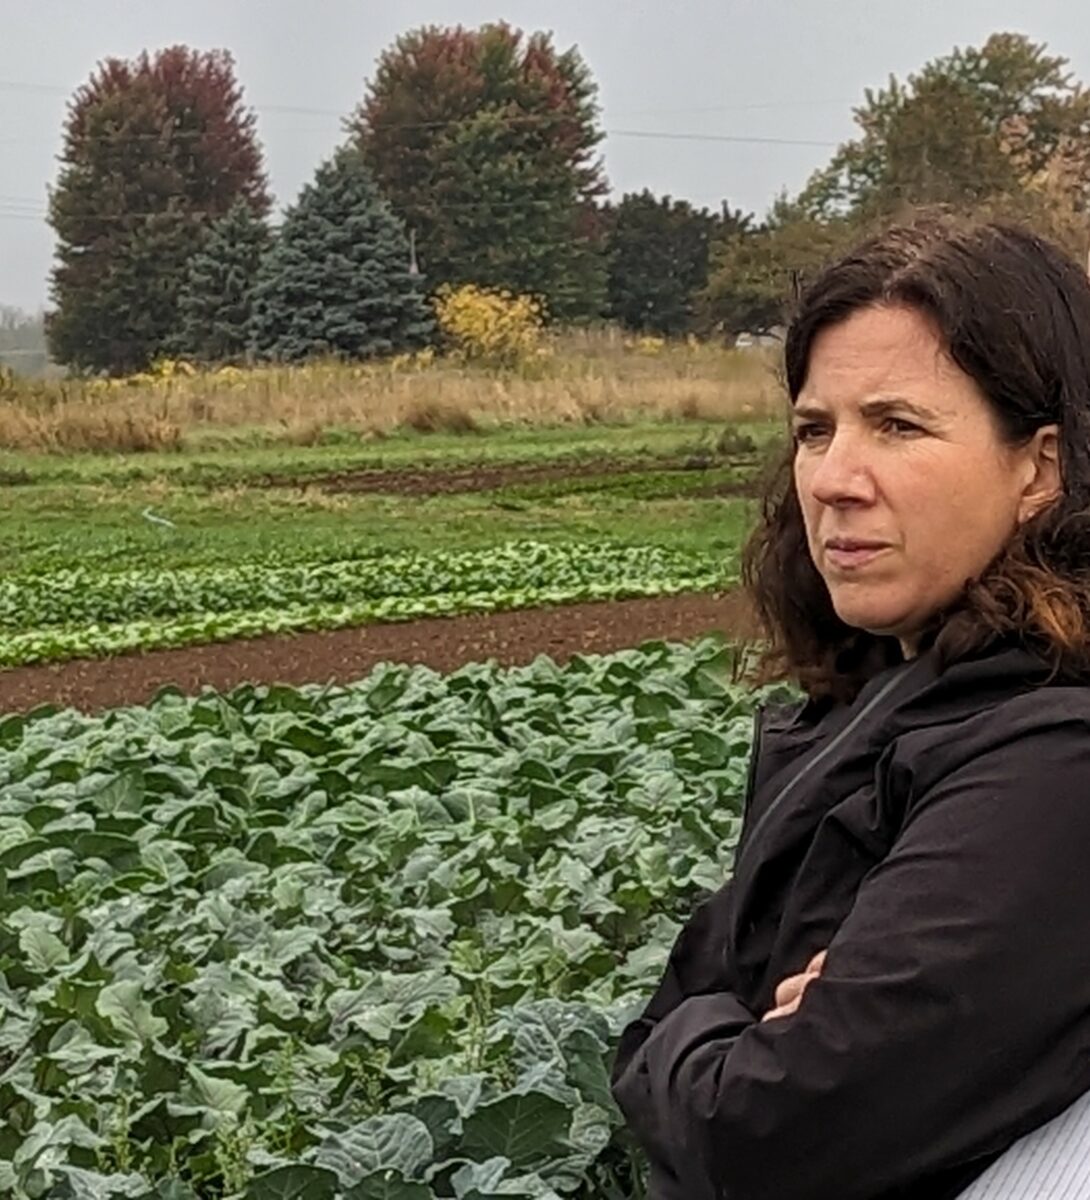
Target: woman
(894, 987)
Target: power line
(29, 208)
(170, 135)
(505, 119)
(300, 110)
(12, 85)
(748, 107)
(20, 213)
(721, 137)
(182, 135)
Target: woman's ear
(1045, 479)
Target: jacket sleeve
(695, 965)
(951, 1017)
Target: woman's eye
(808, 433)
(900, 426)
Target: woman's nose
(843, 473)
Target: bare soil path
(443, 643)
(484, 477)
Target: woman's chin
(881, 619)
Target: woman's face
(907, 491)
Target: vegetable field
(67, 612)
(374, 940)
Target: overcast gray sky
(775, 69)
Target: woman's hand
(789, 992)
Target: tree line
(473, 158)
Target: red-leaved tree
(154, 151)
(484, 143)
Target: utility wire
(19, 207)
(721, 137)
(167, 135)
(299, 110)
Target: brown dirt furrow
(444, 643)
(484, 477)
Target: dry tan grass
(432, 416)
(81, 425)
(587, 379)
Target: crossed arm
(918, 1048)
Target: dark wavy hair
(1014, 313)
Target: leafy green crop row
(73, 612)
(78, 596)
(364, 941)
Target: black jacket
(934, 835)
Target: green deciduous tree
(753, 274)
(154, 150)
(484, 142)
(337, 279)
(215, 307)
(996, 131)
(975, 125)
(658, 259)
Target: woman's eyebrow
(870, 408)
(898, 404)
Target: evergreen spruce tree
(337, 279)
(216, 302)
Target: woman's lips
(850, 556)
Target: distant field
(664, 483)
(108, 553)
(586, 379)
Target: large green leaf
(494, 1178)
(77, 1184)
(293, 1183)
(220, 1097)
(388, 1186)
(123, 1005)
(398, 1143)
(44, 951)
(69, 1131)
(73, 1048)
(524, 1128)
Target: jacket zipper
(754, 757)
(820, 757)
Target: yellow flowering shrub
(230, 375)
(647, 344)
(488, 326)
(169, 368)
